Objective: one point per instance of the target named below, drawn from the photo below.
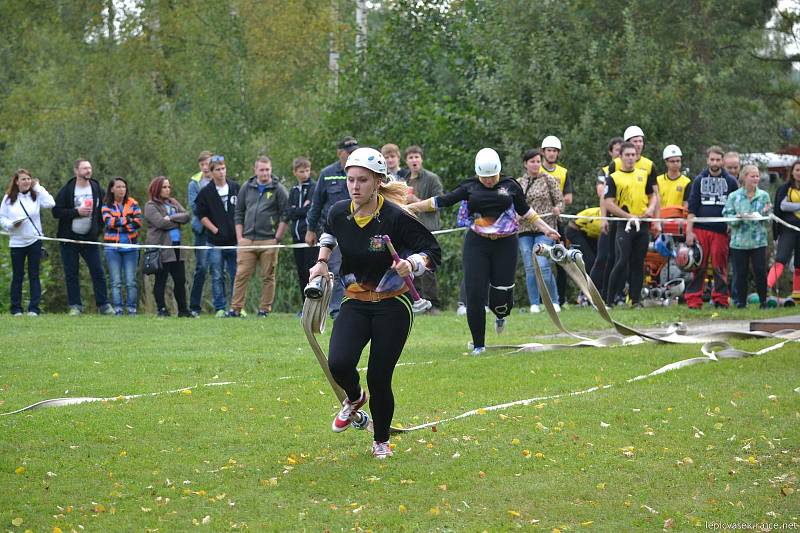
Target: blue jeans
(122, 266)
(526, 243)
(33, 253)
(70, 253)
(219, 261)
(200, 269)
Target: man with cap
(331, 187)
(673, 186)
(551, 149)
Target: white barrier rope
(756, 218)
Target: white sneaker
(557, 307)
(462, 310)
(535, 309)
(381, 450)
(346, 414)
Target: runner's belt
(372, 296)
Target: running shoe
(348, 411)
(381, 450)
(535, 309)
(478, 350)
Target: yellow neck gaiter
(363, 220)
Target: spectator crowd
(646, 228)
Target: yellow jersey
(560, 173)
(631, 190)
(793, 195)
(673, 192)
(642, 164)
(590, 226)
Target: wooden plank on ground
(772, 325)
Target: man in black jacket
(77, 209)
(299, 201)
(216, 208)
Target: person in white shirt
(19, 216)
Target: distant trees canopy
(141, 88)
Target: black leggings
(604, 260)
(757, 257)
(178, 273)
(631, 250)
(386, 326)
(588, 246)
(489, 268)
(788, 244)
(304, 259)
(561, 274)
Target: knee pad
(501, 300)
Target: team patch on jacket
(376, 244)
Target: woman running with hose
(490, 248)
(376, 308)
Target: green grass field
(709, 444)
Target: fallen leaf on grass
(628, 451)
(515, 514)
(668, 523)
(19, 470)
(17, 521)
(402, 508)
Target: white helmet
(368, 158)
(631, 132)
(487, 163)
(551, 141)
(672, 150)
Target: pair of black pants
(70, 253)
(788, 244)
(487, 262)
(561, 274)
(604, 260)
(177, 271)
(588, 246)
(304, 259)
(428, 288)
(631, 250)
(757, 257)
(385, 325)
(33, 253)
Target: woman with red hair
(164, 216)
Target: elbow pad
(418, 262)
(328, 241)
